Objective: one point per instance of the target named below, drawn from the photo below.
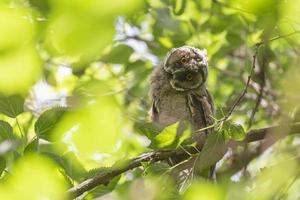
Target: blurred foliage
(74, 95)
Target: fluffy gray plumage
(178, 92)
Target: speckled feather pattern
(170, 105)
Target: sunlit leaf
(20, 65)
(167, 137)
(12, 23)
(94, 128)
(118, 54)
(78, 32)
(19, 69)
(156, 188)
(204, 191)
(45, 182)
(271, 180)
(259, 7)
(172, 136)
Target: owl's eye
(183, 60)
(189, 77)
(198, 59)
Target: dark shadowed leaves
(233, 131)
(69, 163)
(47, 121)
(2, 165)
(6, 131)
(118, 54)
(11, 106)
(214, 149)
(155, 168)
(103, 189)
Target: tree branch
(105, 177)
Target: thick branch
(260, 134)
(106, 177)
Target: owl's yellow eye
(183, 60)
(189, 77)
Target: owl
(178, 91)
(179, 94)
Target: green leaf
(147, 128)
(214, 149)
(204, 190)
(6, 131)
(11, 106)
(118, 54)
(171, 136)
(42, 6)
(34, 177)
(69, 163)
(73, 166)
(155, 168)
(237, 132)
(47, 121)
(103, 189)
(39, 145)
(90, 25)
(233, 131)
(166, 138)
(2, 165)
(31, 147)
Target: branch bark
(155, 156)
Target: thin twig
(260, 95)
(240, 97)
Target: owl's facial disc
(187, 67)
(183, 80)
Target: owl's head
(187, 68)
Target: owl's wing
(201, 109)
(154, 111)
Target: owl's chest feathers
(172, 108)
(169, 106)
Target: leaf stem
(20, 128)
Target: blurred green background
(74, 93)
